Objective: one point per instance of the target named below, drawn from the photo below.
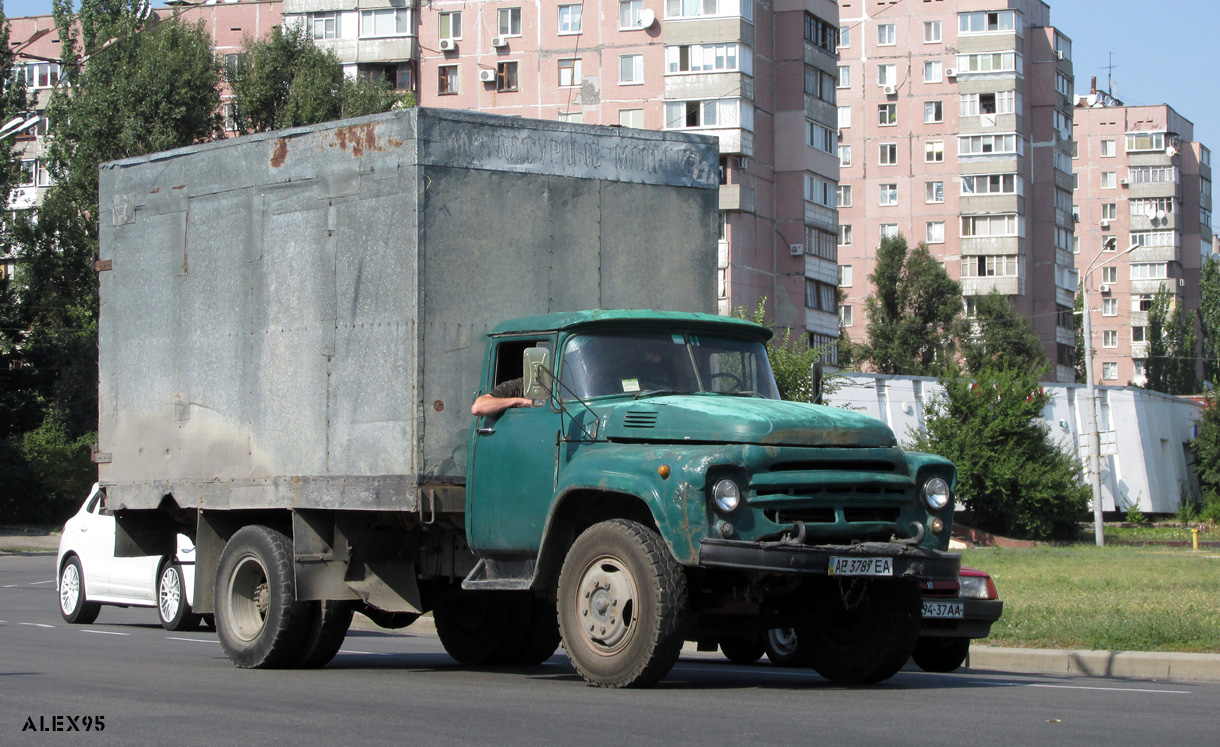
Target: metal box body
(297, 318)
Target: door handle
(484, 430)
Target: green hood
(712, 418)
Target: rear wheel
(72, 602)
(328, 624)
(940, 654)
(622, 605)
(483, 627)
(862, 634)
(258, 619)
(784, 649)
(743, 650)
(172, 608)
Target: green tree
(1011, 475)
(133, 87)
(1209, 318)
(1078, 353)
(998, 336)
(1207, 449)
(791, 360)
(912, 313)
(285, 80)
(1171, 347)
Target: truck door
(513, 457)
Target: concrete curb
(1138, 665)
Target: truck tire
(742, 650)
(541, 637)
(328, 624)
(622, 605)
(483, 627)
(260, 623)
(784, 648)
(868, 642)
(940, 654)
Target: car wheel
(940, 654)
(745, 650)
(73, 605)
(175, 613)
(259, 621)
(622, 605)
(862, 635)
(784, 648)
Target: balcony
(1150, 287)
(690, 86)
(1008, 285)
(733, 141)
(737, 197)
(709, 31)
(1155, 254)
(973, 246)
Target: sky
(1163, 52)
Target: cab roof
(630, 318)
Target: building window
(506, 76)
(991, 184)
(711, 113)
(325, 25)
(1149, 270)
(1153, 174)
(704, 58)
(821, 243)
(820, 296)
(887, 154)
(935, 231)
(1108, 148)
(821, 137)
(933, 192)
(450, 24)
(989, 225)
(447, 83)
(844, 117)
(819, 191)
(844, 76)
(1109, 211)
(986, 22)
(1063, 317)
(887, 114)
(845, 315)
(845, 155)
(629, 14)
(843, 195)
(569, 19)
(887, 75)
(1138, 141)
(845, 275)
(845, 235)
(989, 62)
(932, 71)
(1109, 338)
(1109, 242)
(817, 32)
(933, 112)
(991, 265)
(845, 36)
(886, 35)
(1109, 370)
(887, 194)
(975, 104)
(1155, 238)
(509, 22)
(42, 74)
(1109, 179)
(934, 151)
(1139, 334)
(889, 230)
(631, 118)
(631, 69)
(385, 22)
(970, 145)
(1109, 307)
(931, 32)
(571, 116)
(819, 84)
(569, 73)
(1109, 275)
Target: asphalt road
(149, 686)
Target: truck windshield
(607, 363)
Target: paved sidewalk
(1139, 665)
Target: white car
(89, 575)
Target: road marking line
(37, 625)
(104, 632)
(1113, 689)
(190, 640)
(364, 653)
(36, 583)
(9, 586)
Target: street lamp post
(1091, 396)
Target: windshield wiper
(658, 393)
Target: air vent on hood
(640, 420)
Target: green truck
(294, 326)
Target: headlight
(726, 495)
(936, 493)
(972, 587)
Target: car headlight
(725, 495)
(972, 587)
(936, 493)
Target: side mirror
(815, 382)
(536, 373)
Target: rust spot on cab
(279, 153)
(357, 139)
(180, 186)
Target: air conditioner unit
(448, 45)
(950, 72)
(1059, 54)
(1104, 288)
(890, 90)
(1124, 181)
(796, 250)
(1105, 223)
(499, 41)
(487, 76)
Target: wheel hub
(607, 597)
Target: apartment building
(955, 122)
(1142, 182)
(758, 76)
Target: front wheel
(940, 654)
(175, 613)
(784, 648)
(863, 631)
(258, 619)
(622, 605)
(73, 605)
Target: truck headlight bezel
(936, 494)
(726, 495)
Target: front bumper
(975, 622)
(814, 560)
